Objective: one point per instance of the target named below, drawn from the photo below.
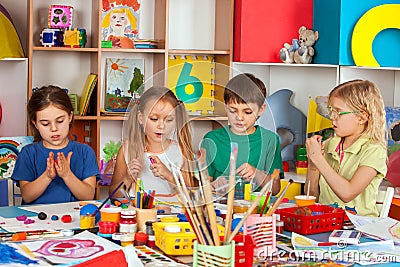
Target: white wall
(13, 76)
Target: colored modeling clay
(42, 216)
(66, 218)
(21, 217)
(29, 221)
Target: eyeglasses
(334, 114)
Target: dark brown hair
(44, 97)
(245, 88)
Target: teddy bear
(287, 52)
(301, 50)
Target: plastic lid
(117, 236)
(150, 223)
(140, 236)
(170, 219)
(104, 235)
(242, 203)
(182, 217)
(111, 210)
(67, 232)
(238, 215)
(217, 212)
(127, 237)
(128, 212)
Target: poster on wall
(9, 150)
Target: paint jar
(241, 206)
(149, 227)
(87, 221)
(107, 227)
(127, 222)
(223, 213)
(116, 238)
(127, 239)
(110, 214)
(141, 239)
(151, 242)
(239, 188)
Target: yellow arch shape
(368, 26)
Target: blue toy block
(335, 21)
(52, 37)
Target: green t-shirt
(260, 149)
(361, 153)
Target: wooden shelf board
(200, 52)
(85, 118)
(65, 49)
(141, 50)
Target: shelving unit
(311, 80)
(180, 26)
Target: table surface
(13, 211)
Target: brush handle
(279, 200)
(108, 198)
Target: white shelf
(297, 178)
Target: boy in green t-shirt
(258, 148)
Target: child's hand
(160, 170)
(134, 167)
(246, 171)
(315, 148)
(51, 171)
(62, 164)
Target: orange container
(303, 200)
(110, 214)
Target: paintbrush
(108, 198)
(212, 217)
(266, 198)
(231, 194)
(279, 200)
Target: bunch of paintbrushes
(198, 204)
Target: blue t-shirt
(31, 163)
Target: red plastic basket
(323, 218)
(244, 247)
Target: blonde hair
(135, 141)
(364, 96)
(126, 10)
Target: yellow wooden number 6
(368, 26)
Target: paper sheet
(359, 220)
(386, 228)
(81, 247)
(70, 208)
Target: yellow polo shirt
(361, 153)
